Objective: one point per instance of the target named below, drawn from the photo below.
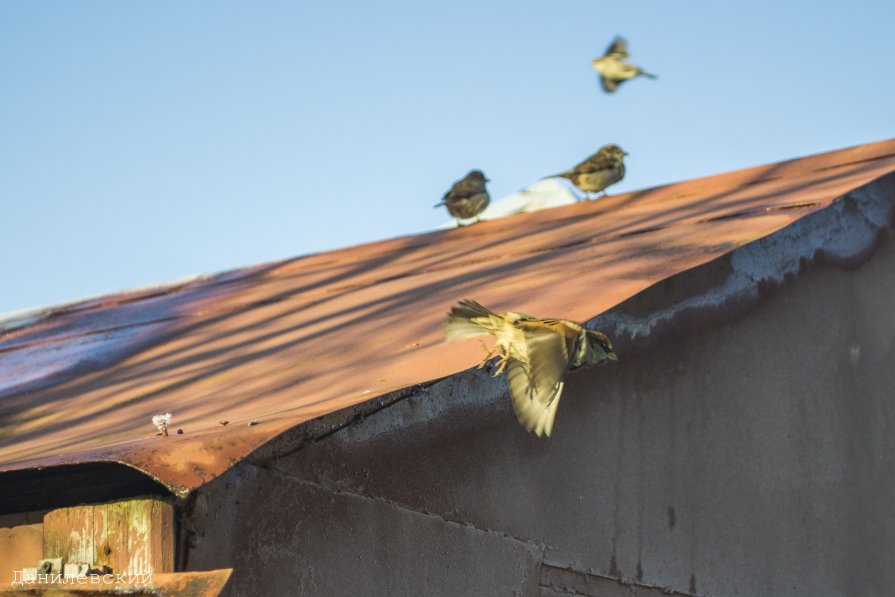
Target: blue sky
(146, 141)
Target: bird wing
(599, 161)
(609, 85)
(534, 414)
(463, 189)
(618, 49)
(536, 384)
(452, 196)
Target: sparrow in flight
(597, 172)
(612, 68)
(536, 354)
(468, 197)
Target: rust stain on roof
(287, 342)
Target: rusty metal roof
(286, 342)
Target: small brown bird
(468, 197)
(613, 71)
(597, 172)
(536, 354)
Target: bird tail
(460, 322)
(648, 75)
(560, 175)
(439, 204)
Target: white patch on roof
(543, 194)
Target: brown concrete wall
(754, 458)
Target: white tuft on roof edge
(543, 194)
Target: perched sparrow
(614, 72)
(536, 354)
(599, 171)
(468, 197)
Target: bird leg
(501, 364)
(489, 352)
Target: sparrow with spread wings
(536, 354)
(613, 69)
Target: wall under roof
(753, 457)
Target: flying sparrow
(468, 197)
(535, 352)
(613, 71)
(597, 172)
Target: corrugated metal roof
(290, 341)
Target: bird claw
(489, 352)
(486, 362)
(501, 366)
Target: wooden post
(134, 536)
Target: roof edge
(844, 234)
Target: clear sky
(144, 141)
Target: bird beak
(612, 356)
(625, 153)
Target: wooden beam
(133, 536)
